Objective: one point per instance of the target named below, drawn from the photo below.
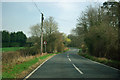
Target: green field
(10, 49)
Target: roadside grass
(10, 72)
(112, 63)
(57, 53)
(10, 49)
(66, 49)
(14, 70)
(45, 56)
(23, 65)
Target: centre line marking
(69, 59)
(77, 69)
(67, 55)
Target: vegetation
(11, 49)
(103, 60)
(14, 39)
(56, 41)
(15, 70)
(97, 31)
(12, 56)
(16, 60)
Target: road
(71, 65)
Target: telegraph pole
(42, 18)
(119, 29)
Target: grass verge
(112, 63)
(24, 65)
(11, 49)
(17, 70)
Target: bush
(106, 61)
(8, 57)
(5, 44)
(11, 56)
(29, 51)
(14, 44)
(102, 41)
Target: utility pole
(119, 29)
(42, 18)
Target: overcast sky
(20, 16)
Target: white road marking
(68, 55)
(74, 65)
(101, 64)
(69, 59)
(105, 65)
(77, 69)
(36, 69)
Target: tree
(5, 38)
(74, 41)
(50, 26)
(66, 40)
(97, 29)
(51, 34)
(35, 30)
(55, 42)
(111, 11)
(17, 38)
(21, 38)
(13, 39)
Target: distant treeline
(13, 39)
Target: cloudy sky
(20, 16)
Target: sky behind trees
(20, 16)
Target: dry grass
(112, 63)
(9, 59)
(66, 48)
(102, 59)
(15, 57)
(26, 72)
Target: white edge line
(36, 69)
(101, 64)
(105, 65)
(77, 69)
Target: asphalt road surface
(71, 65)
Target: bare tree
(35, 30)
(50, 25)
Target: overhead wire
(37, 7)
(44, 14)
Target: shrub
(8, 57)
(29, 51)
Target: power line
(37, 7)
(44, 14)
